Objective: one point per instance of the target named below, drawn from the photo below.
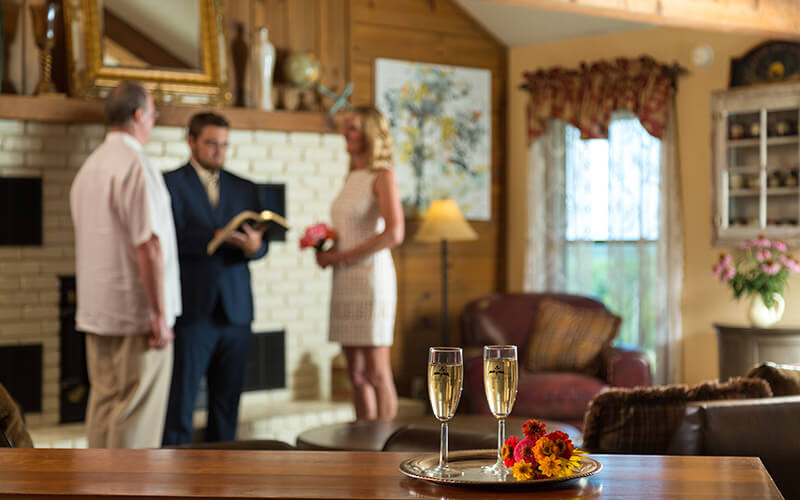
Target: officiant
(212, 337)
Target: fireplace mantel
(70, 110)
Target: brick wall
(290, 292)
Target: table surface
(214, 474)
(372, 435)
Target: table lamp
(444, 223)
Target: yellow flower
(550, 466)
(522, 471)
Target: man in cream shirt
(127, 278)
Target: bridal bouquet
(319, 236)
(540, 455)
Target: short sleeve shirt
(119, 201)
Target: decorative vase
(263, 64)
(763, 317)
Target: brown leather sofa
(506, 318)
(768, 428)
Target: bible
(274, 222)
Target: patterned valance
(587, 96)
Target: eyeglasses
(215, 144)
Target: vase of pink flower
(760, 270)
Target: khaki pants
(129, 389)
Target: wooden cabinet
(743, 347)
(756, 155)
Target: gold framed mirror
(176, 48)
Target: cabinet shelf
(71, 110)
(771, 141)
(773, 191)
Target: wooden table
(205, 474)
(371, 435)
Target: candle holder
(44, 21)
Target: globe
(301, 69)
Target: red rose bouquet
(319, 236)
(540, 455)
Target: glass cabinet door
(758, 189)
(781, 155)
(756, 155)
(743, 176)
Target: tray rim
(490, 454)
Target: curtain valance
(586, 97)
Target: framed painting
(441, 126)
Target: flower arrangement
(540, 455)
(761, 268)
(319, 236)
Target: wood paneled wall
(316, 26)
(434, 31)
(348, 35)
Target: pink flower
(771, 267)
(316, 236)
(747, 244)
(789, 263)
(723, 271)
(779, 246)
(763, 254)
(725, 259)
(524, 451)
(727, 274)
(761, 241)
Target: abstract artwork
(441, 125)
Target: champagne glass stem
(501, 438)
(443, 446)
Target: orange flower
(544, 448)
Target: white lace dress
(364, 294)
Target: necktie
(212, 189)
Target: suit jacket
(225, 275)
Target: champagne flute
(500, 382)
(445, 380)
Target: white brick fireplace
(291, 293)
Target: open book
(275, 223)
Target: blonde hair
(378, 136)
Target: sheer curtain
(605, 220)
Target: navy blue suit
(212, 336)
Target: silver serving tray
(469, 463)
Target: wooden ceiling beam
(773, 18)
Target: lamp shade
(444, 222)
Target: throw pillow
(568, 338)
(12, 429)
(783, 379)
(643, 420)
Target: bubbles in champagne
(444, 389)
(500, 382)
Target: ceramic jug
(763, 317)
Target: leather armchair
(506, 318)
(766, 428)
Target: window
(611, 225)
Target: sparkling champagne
(444, 389)
(500, 383)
